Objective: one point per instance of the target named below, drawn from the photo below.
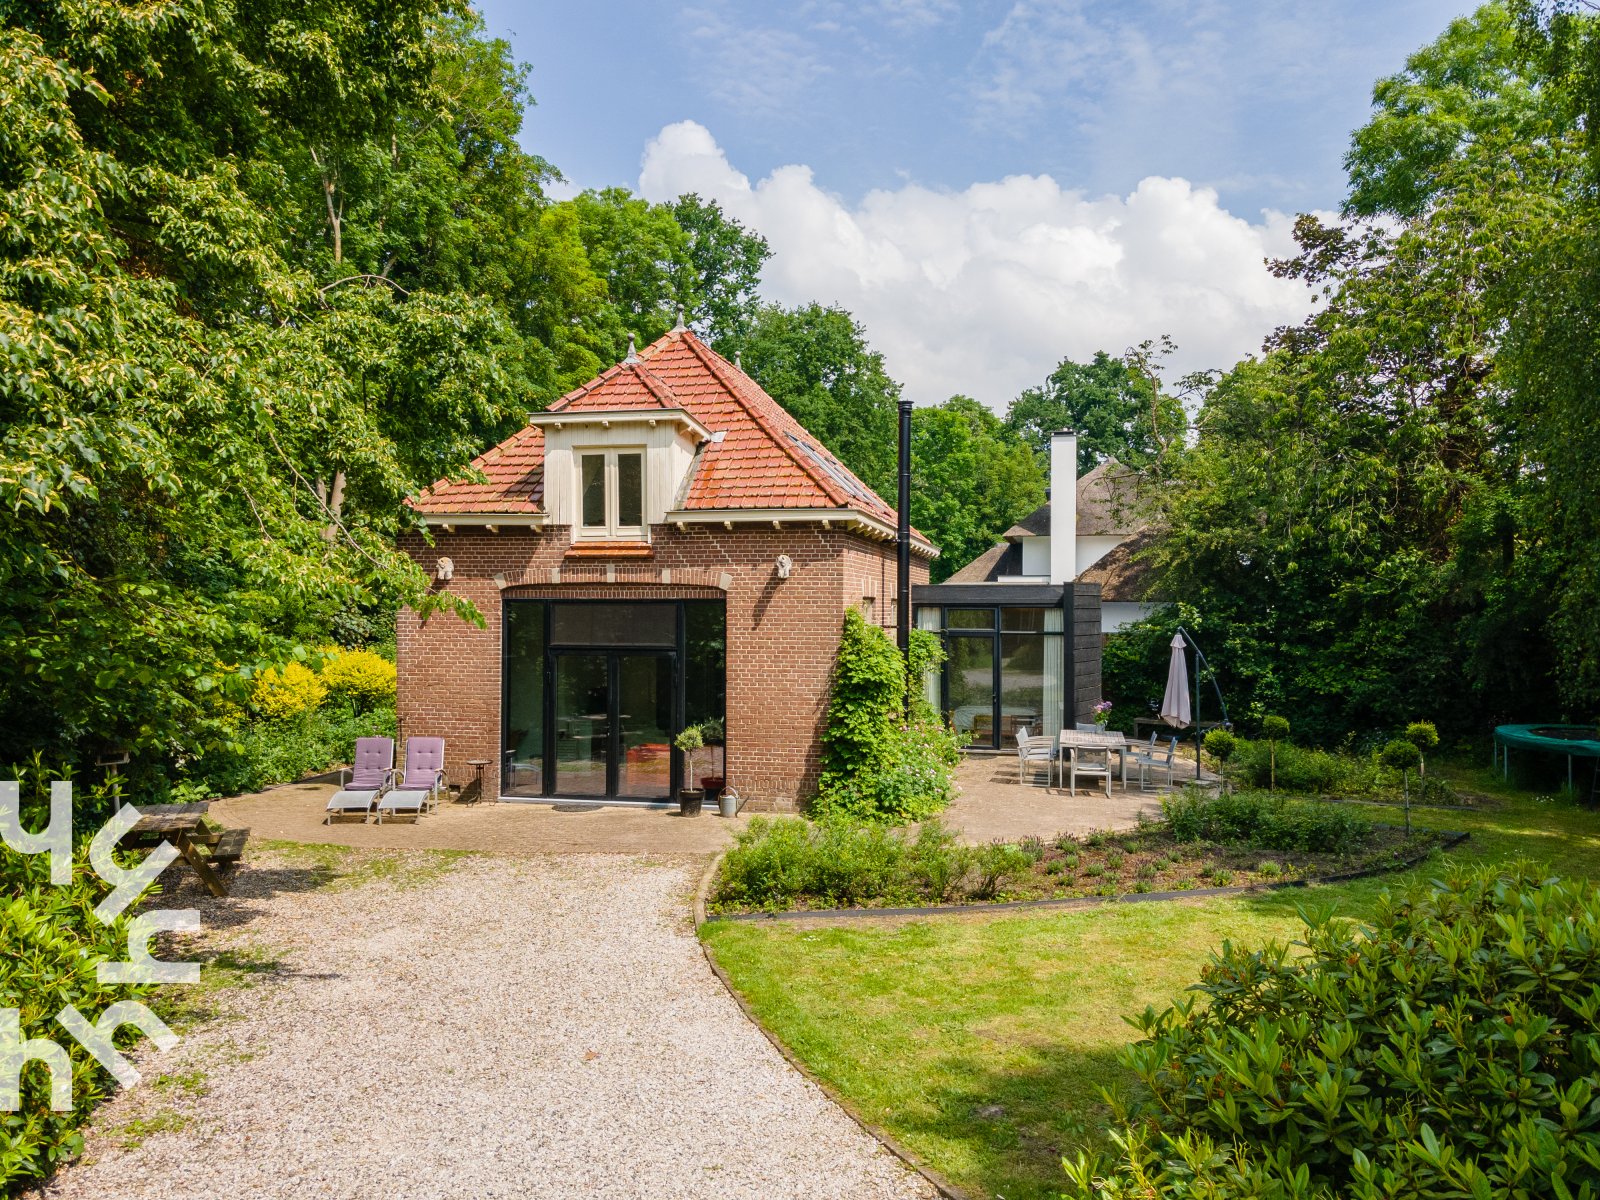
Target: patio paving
(995, 803)
(294, 813)
(992, 803)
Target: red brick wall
(782, 634)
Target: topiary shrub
(280, 693)
(1221, 744)
(1446, 1049)
(365, 679)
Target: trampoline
(1573, 741)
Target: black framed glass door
(594, 691)
(613, 721)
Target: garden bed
(788, 866)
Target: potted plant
(690, 798)
(1101, 711)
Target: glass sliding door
(583, 724)
(595, 691)
(969, 672)
(643, 718)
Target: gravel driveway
(476, 1027)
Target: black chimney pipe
(903, 539)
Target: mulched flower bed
(1150, 859)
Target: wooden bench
(230, 846)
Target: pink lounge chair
(419, 788)
(362, 783)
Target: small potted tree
(690, 798)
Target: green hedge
(1266, 819)
(777, 862)
(1446, 1049)
(269, 752)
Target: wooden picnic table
(183, 826)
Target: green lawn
(982, 1042)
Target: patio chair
(1157, 762)
(1092, 761)
(362, 783)
(419, 788)
(1033, 752)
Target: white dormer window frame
(611, 487)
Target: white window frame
(612, 530)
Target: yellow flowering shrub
(287, 691)
(366, 679)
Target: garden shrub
(841, 862)
(269, 752)
(1269, 820)
(364, 678)
(53, 947)
(879, 761)
(996, 865)
(1449, 1048)
(1298, 770)
(280, 693)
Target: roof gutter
(852, 519)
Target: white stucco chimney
(1063, 506)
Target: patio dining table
(1110, 741)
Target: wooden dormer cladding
(667, 439)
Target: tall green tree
(971, 480)
(206, 439)
(1117, 411)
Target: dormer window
(611, 493)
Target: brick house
(664, 546)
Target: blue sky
(1028, 178)
(1256, 100)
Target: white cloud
(983, 291)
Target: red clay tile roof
(765, 458)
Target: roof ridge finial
(681, 326)
(633, 351)
(738, 359)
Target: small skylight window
(832, 468)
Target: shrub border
(946, 1189)
(1450, 840)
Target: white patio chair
(1153, 762)
(1091, 761)
(1033, 752)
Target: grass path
(983, 1042)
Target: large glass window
(1005, 670)
(592, 709)
(611, 493)
(585, 624)
(524, 700)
